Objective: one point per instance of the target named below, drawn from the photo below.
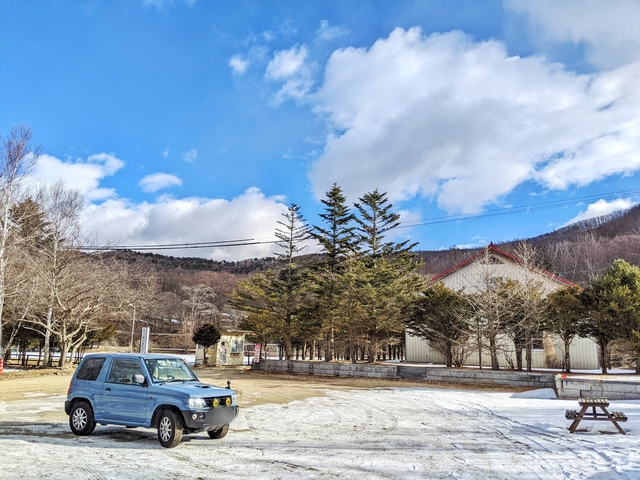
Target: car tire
(81, 419)
(219, 433)
(169, 429)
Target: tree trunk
(448, 354)
(518, 344)
(529, 353)
(603, 359)
(493, 351)
(567, 356)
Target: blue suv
(152, 391)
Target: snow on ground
(378, 433)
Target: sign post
(144, 340)
(256, 353)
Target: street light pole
(133, 326)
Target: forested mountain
(578, 252)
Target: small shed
(228, 351)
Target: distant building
(472, 275)
(228, 351)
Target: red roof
(493, 249)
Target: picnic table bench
(585, 414)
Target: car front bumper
(210, 418)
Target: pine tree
(440, 316)
(375, 219)
(206, 336)
(338, 242)
(612, 305)
(565, 316)
(276, 302)
(386, 270)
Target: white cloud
(83, 175)
(190, 156)
(158, 181)
(165, 153)
(287, 63)
(326, 33)
(460, 121)
(238, 64)
(610, 30)
(289, 66)
(287, 28)
(602, 207)
(169, 220)
(161, 4)
(268, 36)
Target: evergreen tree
(612, 305)
(338, 241)
(337, 237)
(386, 278)
(565, 316)
(374, 220)
(206, 336)
(440, 316)
(276, 302)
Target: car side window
(122, 371)
(90, 369)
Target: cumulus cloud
(610, 31)
(602, 207)
(238, 64)
(169, 220)
(79, 174)
(460, 121)
(190, 156)
(326, 33)
(158, 181)
(289, 66)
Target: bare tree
(62, 207)
(17, 158)
(198, 304)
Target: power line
(179, 246)
(407, 224)
(518, 209)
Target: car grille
(222, 401)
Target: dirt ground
(253, 388)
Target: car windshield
(169, 370)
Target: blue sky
(194, 121)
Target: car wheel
(169, 429)
(219, 433)
(81, 419)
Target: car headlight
(234, 399)
(197, 403)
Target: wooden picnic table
(593, 404)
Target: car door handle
(108, 389)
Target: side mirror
(138, 378)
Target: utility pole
(133, 326)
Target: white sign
(256, 353)
(144, 340)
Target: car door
(123, 400)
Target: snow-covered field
(378, 433)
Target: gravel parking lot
(301, 427)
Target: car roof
(134, 355)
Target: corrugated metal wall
(583, 351)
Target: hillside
(578, 252)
